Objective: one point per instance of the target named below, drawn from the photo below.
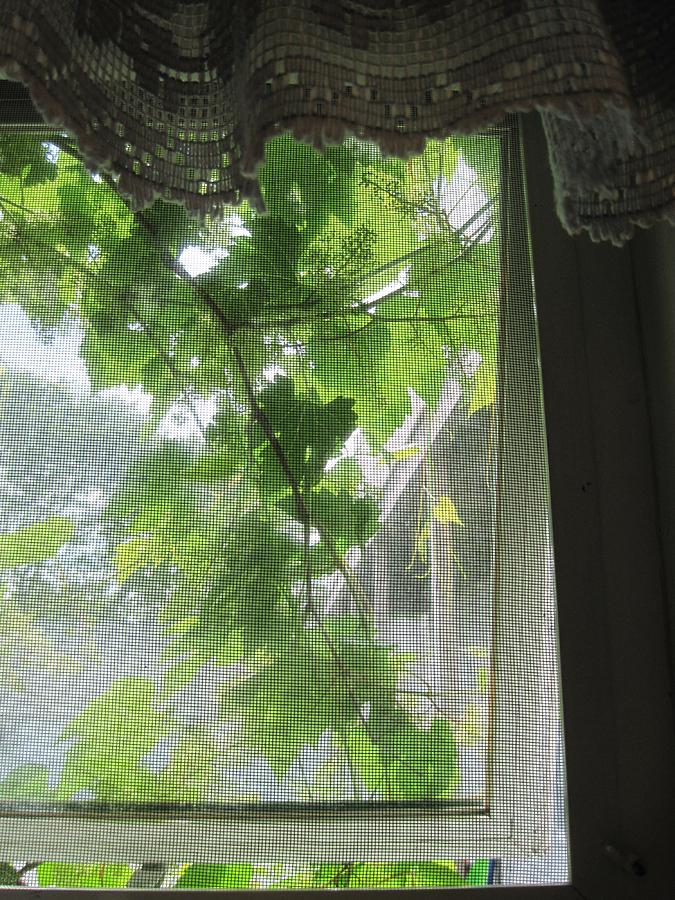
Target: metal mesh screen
(276, 567)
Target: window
(278, 566)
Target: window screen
(275, 563)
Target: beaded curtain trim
(178, 98)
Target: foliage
(389, 875)
(26, 782)
(233, 876)
(34, 543)
(78, 875)
(9, 876)
(339, 875)
(23, 645)
(215, 876)
(106, 752)
(322, 317)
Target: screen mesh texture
(265, 538)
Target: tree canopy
(368, 283)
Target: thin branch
(169, 363)
(27, 867)
(375, 317)
(309, 600)
(343, 876)
(257, 412)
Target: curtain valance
(178, 98)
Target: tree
(366, 280)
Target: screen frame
(515, 818)
(611, 605)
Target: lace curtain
(177, 98)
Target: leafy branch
(302, 511)
(316, 280)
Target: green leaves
(212, 876)
(308, 433)
(121, 358)
(191, 650)
(35, 543)
(172, 222)
(234, 876)
(290, 703)
(403, 761)
(27, 782)
(445, 512)
(137, 553)
(348, 356)
(301, 186)
(78, 875)
(157, 497)
(460, 300)
(363, 876)
(110, 737)
(312, 686)
(277, 245)
(24, 645)
(24, 156)
(347, 519)
(9, 876)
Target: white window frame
(619, 742)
